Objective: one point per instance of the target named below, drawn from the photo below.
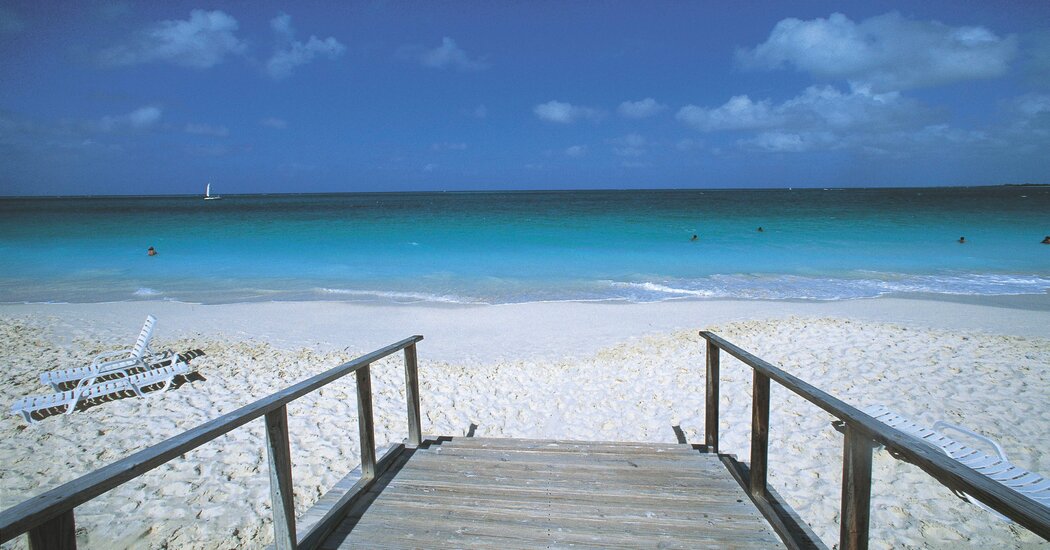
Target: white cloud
(448, 54)
(207, 130)
(294, 53)
(201, 41)
(576, 151)
(448, 146)
(631, 145)
(565, 113)
(786, 142)
(884, 53)
(640, 109)
(139, 119)
(818, 108)
(739, 113)
(273, 122)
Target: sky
(296, 97)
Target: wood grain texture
(856, 491)
(711, 409)
(282, 498)
(502, 493)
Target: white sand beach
(588, 371)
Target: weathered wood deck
(518, 493)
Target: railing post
(711, 412)
(759, 433)
(364, 422)
(856, 490)
(281, 497)
(412, 396)
(58, 533)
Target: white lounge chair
(136, 383)
(998, 468)
(110, 362)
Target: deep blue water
(505, 247)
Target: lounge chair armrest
(941, 424)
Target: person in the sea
(694, 238)
(151, 251)
(962, 240)
(760, 230)
(1046, 239)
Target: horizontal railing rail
(861, 435)
(48, 517)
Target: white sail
(207, 190)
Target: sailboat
(207, 194)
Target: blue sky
(158, 98)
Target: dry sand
(572, 371)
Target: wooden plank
(34, 511)
(513, 499)
(412, 395)
(711, 409)
(568, 447)
(59, 533)
(856, 490)
(325, 515)
(281, 495)
(930, 459)
(522, 442)
(365, 425)
(795, 533)
(759, 433)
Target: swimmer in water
(1046, 239)
(962, 240)
(760, 230)
(694, 238)
(151, 251)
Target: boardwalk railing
(48, 517)
(862, 433)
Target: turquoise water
(505, 247)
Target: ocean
(511, 247)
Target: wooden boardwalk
(518, 493)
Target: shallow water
(528, 246)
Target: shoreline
(527, 330)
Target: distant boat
(208, 196)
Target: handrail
(52, 510)
(862, 431)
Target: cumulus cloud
(204, 40)
(449, 55)
(139, 119)
(293, 53)
(643, 108)
(565, 113)
(273, 122)
(576, 151)
(207, 130)
(739, 113)
(884, 53)
(823, 117)
(817, 108)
